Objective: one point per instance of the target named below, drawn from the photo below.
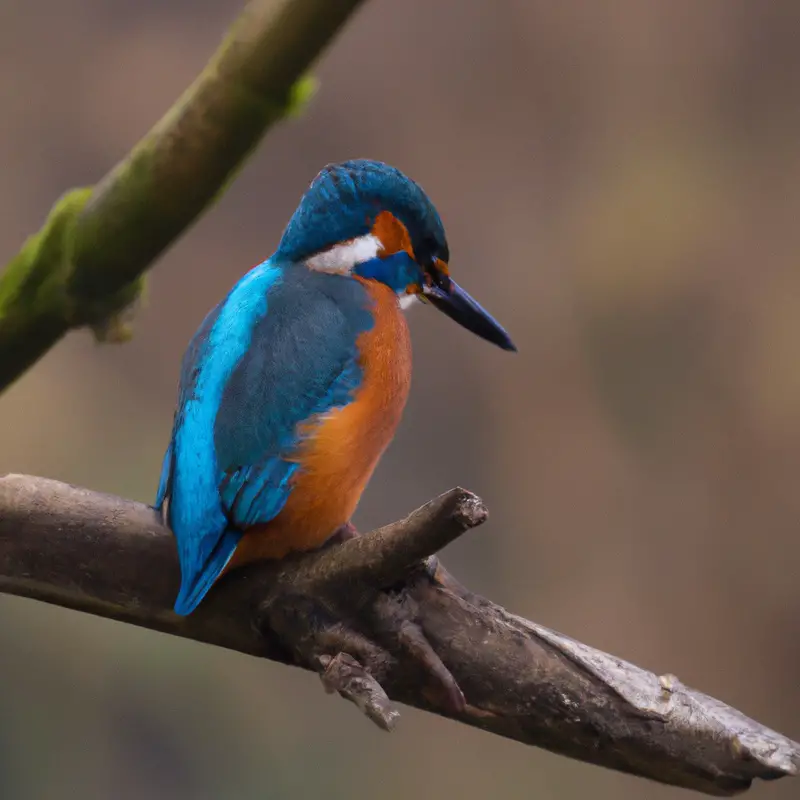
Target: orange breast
(342, 448)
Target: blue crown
(343, 201)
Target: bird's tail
(194, 587)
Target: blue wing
(279, 349)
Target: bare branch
(386, 555)
(330, 612)
(345, 675)
(84, 266)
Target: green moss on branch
(85, 266)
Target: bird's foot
(342, 534)
(351, 612)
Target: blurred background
(620, 181)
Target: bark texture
(381, 621)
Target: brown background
(620, 181)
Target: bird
(293, 385)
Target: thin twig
(386, 555)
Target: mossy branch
(86, 265)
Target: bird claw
(342, 534)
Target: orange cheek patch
(392, 234)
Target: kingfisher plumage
(292, 387)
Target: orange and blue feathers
(293, 385)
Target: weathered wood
(334, 611)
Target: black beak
(459, 306)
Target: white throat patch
(406, 300)
(341, 258)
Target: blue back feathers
(343, 201)
(280, 348)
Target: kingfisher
(293, 386)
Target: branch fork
(345, 610)
(380, 621)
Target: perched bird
(293, 386)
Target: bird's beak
(459, 306)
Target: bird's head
(367, 219)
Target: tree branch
(330, 611)
(85, 266)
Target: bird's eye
(436, 276)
